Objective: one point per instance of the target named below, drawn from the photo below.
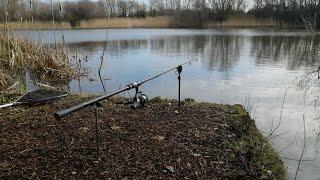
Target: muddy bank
(202, 141)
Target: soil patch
(201, 141)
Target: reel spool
(139, 101)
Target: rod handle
(60, 114)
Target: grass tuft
(18, 55)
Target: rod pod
(179, 70)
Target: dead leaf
(115, 128)
(196, 155)
(158, 138)
(84, 129)
(170, 168)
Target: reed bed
(245, 21)
(150, 22)
(18, 55)
(5, 79)
(41, 25)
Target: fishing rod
(95, 102)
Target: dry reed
(5, 79)
(35, 25)
(18, 54)
(150, 22)
(245, 21)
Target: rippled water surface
(257, 68)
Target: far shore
(149, 22)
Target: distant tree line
(293, 12)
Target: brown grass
(245, 21)
(150, 22)
(5, 79)
(17, 54)
(35, 25)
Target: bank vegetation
(19, 56)
(182, 13)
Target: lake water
(258, 68)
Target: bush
(187, 19)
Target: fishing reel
(140, 100)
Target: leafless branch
(304, 146)
(280, 117)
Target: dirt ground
(207, 141)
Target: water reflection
(293, 52)
(222, 52)
(179, 45)
(115, 48)
(218, 52)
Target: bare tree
(123, 7)
(109, 7)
